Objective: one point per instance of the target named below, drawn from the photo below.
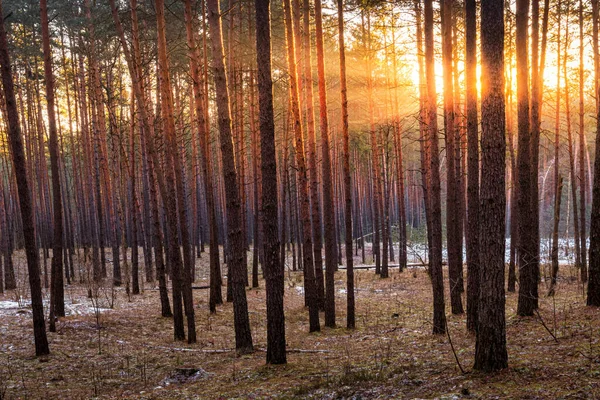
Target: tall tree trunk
(312, 152)
(472, 165)
(582, 147)
(526, 250)
(243, 335)
(215, 296)
(18, 156)
(573, 172)
(310, 284)
(533, 155)
(400, 178)
(272, 265)
(424, 144)
(435, 258)
(490, 347)
(328, 208)
(376, 181)
(166, 110)
(57, 294)
(593, 297)
(454, 240)
(350, 303)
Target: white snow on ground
(9, 307)
(417, 252)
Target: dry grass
(391, 354)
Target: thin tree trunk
(554, 251)
(582, 147)
(593, 297)
(303, 192)
(454, 240)
(243, 335)
(472, 165)
(57, 294)
(435, 259)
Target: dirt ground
(128, 351)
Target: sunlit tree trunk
(571, 149)
(423, 133)
(166, 110)
(582, 147)
(215, 296)
(303, 192)
(328, 208)
(376, 181)
(400, 179)
(312, 156)
(454, 238)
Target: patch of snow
(9, 305)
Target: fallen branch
(454, 351)
(545, 326)
(296, 350)
(194, 350)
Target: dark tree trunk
(328, 207)
(166, 110)
(350, 306)
(243, 336)
(556, 221)
(454, 239)
(526, 249)
(472, 165)
(593, 297)
(57, 293)
(435, 245)
(18, 156)
(272, 262)
(490, 347)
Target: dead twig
(545, 326)
(454, 351)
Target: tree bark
(593, 297)
(490, 347)
(276, 353)
(18, 156)
(303, 193)
(435, 259)
(472, 164)
(454, 239)
(526, 250)
(57, 293)
(243, 335)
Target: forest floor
(128, 351)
